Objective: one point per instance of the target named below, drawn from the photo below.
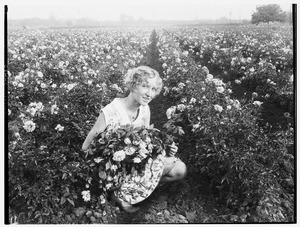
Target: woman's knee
(180, 170)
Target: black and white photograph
(149, 112)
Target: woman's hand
(173, 149)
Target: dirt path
(176, 202)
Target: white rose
(39, 106)
(170, 112)
(40, 74)
(217, 82)
(254, 95)
(137, 160)
(218, 108)
(236, 104)
(181, 85)
(29, 126)
(220, 89)
(114, 167)
(257, 103)
(143, 153)
(127, 141)
(129, 150)
(209, 77)
(181, 107)
(119, 156)
(59, 128)
(148, 140)
(237, 81)
(54, 109)
(142, 145)
(86, 195)
(97, 160)
(193, 100)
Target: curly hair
(140, 74)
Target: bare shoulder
(100, 124)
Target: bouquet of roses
(117, 152)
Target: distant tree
(268, 13)
(289, 17)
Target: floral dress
(136, 187)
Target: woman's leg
(175, 168)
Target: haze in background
(183, 10)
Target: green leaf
(37, 215)
(71, 201)
(64, 176)
(106, 151)
(102, 175)
(108, 165)
(62, 200)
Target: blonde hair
(139, 75)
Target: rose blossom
(257, 103)
(119, 156)
(86, 195)
(220, 89)
(29, 126)
(137, 160)
(170, 112)
(127, 141)
(129, 150)
(218, 108)
(59, 128)
(193, 100)
(181, 107)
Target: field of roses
(232, 113)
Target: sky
(146, 9)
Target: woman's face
(146, 91)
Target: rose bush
(260, 57)
(246, 163)
(58, 80)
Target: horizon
(136, 12)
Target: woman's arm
(99, 127)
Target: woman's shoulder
(112, 103)
(111, 113)
(109, 107)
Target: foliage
(255, 59)
(56, 89)
(221, 83)
(116, 153)
(246, 163)
(268, 13)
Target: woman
(144, 84)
